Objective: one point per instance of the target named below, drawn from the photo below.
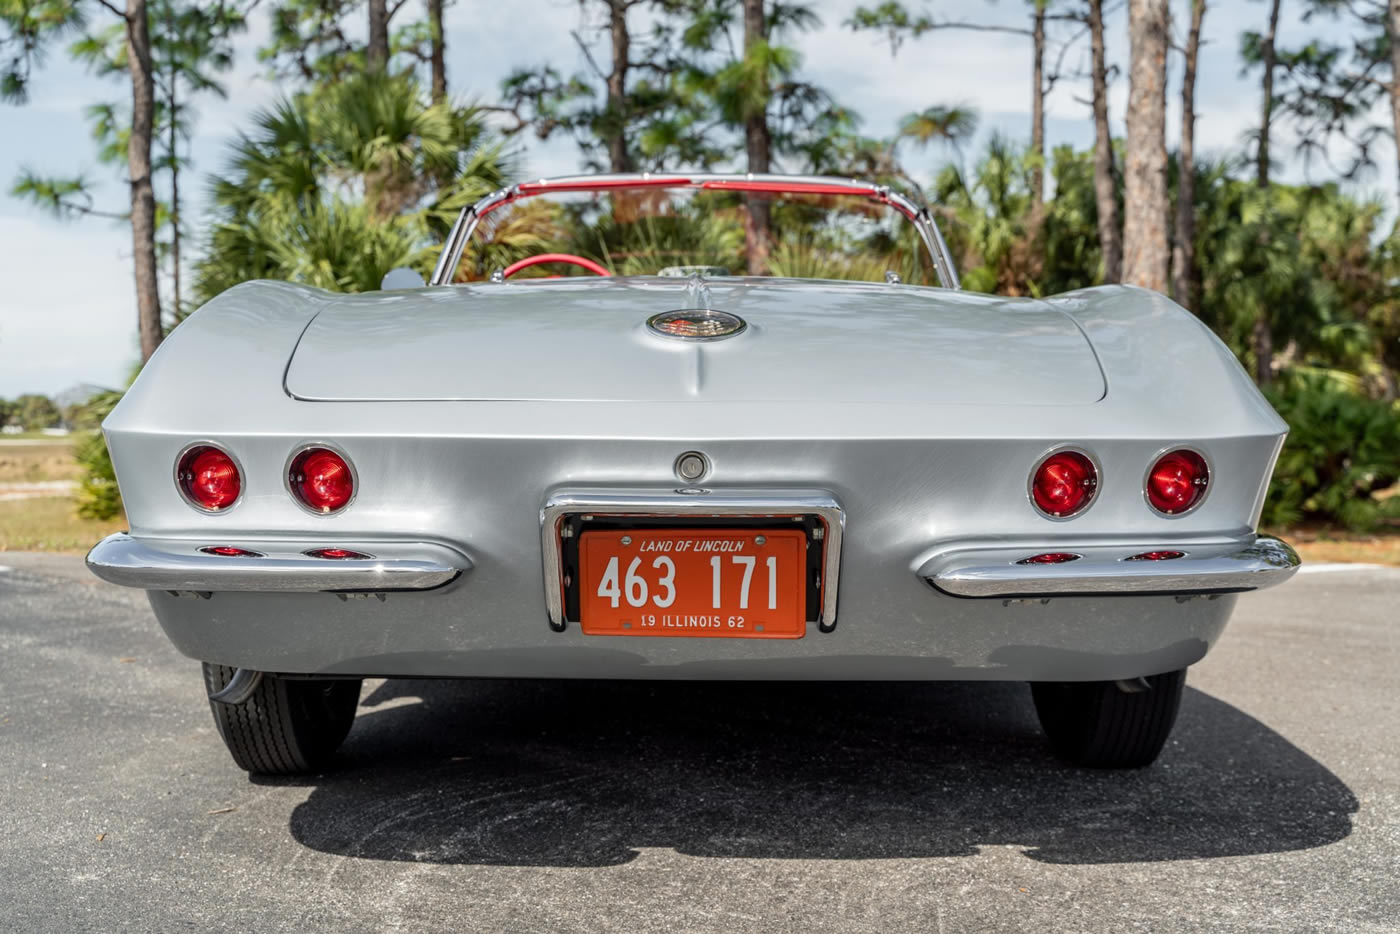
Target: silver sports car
(691, 475)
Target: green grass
(49, 523)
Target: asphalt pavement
(593, 806)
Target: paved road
(634, 807)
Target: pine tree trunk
(1269, 58)
(1038, 108)
(758, 144)
(1105, 190)
(1184, 255)
(377, 50)
(619, 159)
(138, 160)
(1262, 336)
(1392, 29)
(172, 142)
(1145, 215)
(1263, 339)
(438, 57)
(174, 198)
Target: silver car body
(483, 419)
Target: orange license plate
(734, 583)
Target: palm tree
(338, 185)
(951, 126)
(847, 153)
(757, 92)
(991, 223)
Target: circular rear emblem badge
(697, 324)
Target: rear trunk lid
(587, 340)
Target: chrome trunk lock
(692, 466)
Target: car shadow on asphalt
(584, 773)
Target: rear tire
(288, 726)
(1107, 724)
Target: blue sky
(68, 315)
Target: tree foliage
(1331, 89)
(32, 412)
(191, 47)
(98, 496)
(339, 184)
(682, 93)
(637, 106)
(1342, 450)
(360, 168)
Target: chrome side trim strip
(694, 503)
(1243, 566)
(163, 564)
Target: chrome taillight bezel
(187, 452)
(1094, 492)
(307, 448)
(1205, 490)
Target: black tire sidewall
(288, 726)
(1098, 724)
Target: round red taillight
(208, 478)
(321, 480)
(1177, 482)
(1064, 483)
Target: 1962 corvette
(692, 475)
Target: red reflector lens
(1158, 556)
(209, 478)
(321, 479)
(1177, 481)
(1064, 483)
(1050, 557)
(337, 554)
(229, 551)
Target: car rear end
(516, 502)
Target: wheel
(1110, 724)
(288, 726)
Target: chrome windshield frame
(471, 216)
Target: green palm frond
(949, 124)
(335, 186)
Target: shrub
(98, 496)
(1342, 449)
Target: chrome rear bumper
(1107, 570)
(279, 567)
